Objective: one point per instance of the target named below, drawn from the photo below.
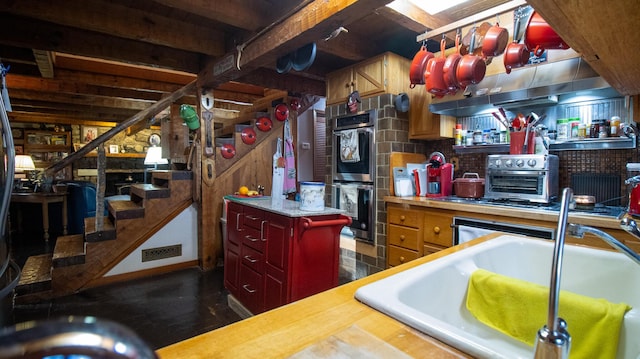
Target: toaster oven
(532, 178)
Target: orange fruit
(243, 190)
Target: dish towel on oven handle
(349, 146)
(277, 183)
(349, 199)
(289, 161)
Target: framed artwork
(114, 149)
(88, 133)
(19, 150)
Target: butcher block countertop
(312, 327)
(530, 213)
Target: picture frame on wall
(88, 134)
(114, 149)
(19, 150)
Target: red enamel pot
(418, 66)
(516, 55)
(471, 68)
(495, 41)
(539, 36)
(450, 67)
(434, 74)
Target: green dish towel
(519, 309)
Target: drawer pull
(246, 287)
(402, 218)
(252, 239)
(253, 218)
(250, 259)
(436, 229)
(402, 238)
(401, 259)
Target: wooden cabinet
(405, 236)
(386, 73)
(424, 125)
(272, 259)
(48, 147)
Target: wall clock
(154, 139)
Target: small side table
(44, 199)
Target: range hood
(531, 86)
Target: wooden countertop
(290, 329)
(505, 211)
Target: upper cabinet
(603, 33)
(386, 73)
(423, 124)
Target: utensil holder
(517, 141)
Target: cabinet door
(251, 289)
(279, 235)
(231, 266)
(370, 76)
(234, 223)
(422, 123)
(339, 86)
(438, 229)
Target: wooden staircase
(81, 261)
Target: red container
(469, 186)
(539, 36)
(517, 142)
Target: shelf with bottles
(49, 141)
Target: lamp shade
(154, 157)
(24, 163)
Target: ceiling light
(433, 7)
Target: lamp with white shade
(23, 164)
(154, 158)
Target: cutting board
(351, 343)
(400, 159)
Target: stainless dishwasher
(466, 229)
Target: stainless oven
(532, 178)
(354, 157)
(358, 200)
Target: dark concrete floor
(162, 309)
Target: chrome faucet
(84, 336)
(554, 340)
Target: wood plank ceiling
(88, 61)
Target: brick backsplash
(392, 136)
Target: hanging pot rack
(511, 5)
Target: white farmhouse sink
(431, 297)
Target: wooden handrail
(155, 108)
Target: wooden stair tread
(125, 209)
(149, 191)
(92, 235)
(36, 275)
(172, 175)
(69, 250)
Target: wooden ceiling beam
(408, 15)
(25, 32)
(312, 23)
(291, 82)
(125, 22)
(80, 99)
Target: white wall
(181, 230)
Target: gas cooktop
(598, 209)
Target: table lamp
(23, 164)
(154, 157)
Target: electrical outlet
(454, 163)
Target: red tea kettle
(634, 196)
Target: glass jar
(477, 137)
(594, 131)
(562, 128)
(604, 129)
(582, 131)
(573, 126)
(615, 126)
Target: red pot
(495, 41)
(471, 68)
(469, 186)
(516, 55)
(228, 151)
(539, 36)
(434, 78)
(450, 67)
(418, 66)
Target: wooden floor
(163, 309)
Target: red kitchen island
(274, 255)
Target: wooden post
(100, 188)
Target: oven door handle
(517, 172)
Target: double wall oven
(354, 170)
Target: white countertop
(288, 208)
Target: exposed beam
(25, 32)
(314, 21)
(290, 81)
(124, 22)
(405, 13)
